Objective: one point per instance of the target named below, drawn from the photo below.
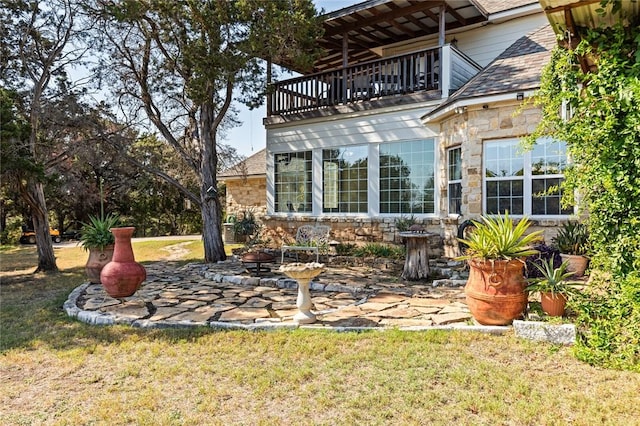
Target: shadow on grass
(31, 315)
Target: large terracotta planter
(123, 275)
(577, 264)
(97, 259)
(496, 291)
(553, 304)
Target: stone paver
(217, 294)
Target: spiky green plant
(497, 238)
(96, 234)
(572, 238)
(553, 280)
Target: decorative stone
(561, 334)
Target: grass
(58, 371)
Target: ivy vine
(597, 113)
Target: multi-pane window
(407, 179)
(524, 182)
(454, 175)
(344, 179)
(548, 162)
(292, 181)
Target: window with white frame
(524, 183)
(454, 176)
(344, 179)
(407, 177)
(292, 182)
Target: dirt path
(176, 251)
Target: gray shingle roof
(496, 6)
(516, 69)
(251, 166)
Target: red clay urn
(123, 275)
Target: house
(246, 188)
(415, 110)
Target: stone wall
(348, 230)
(247, 194)
(469, 130)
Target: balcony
(374, 81)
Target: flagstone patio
(225, 295)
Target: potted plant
(553, 286)
(246, 225)
(496, 289)
(97, 238)
(573, 242)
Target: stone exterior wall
(348, 230)
(247, 194)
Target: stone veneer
(247, 194)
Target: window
(292, 181)
(524, 182)
(345, 182)
(454, 174)
(407, 179)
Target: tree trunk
(35, 198)
(211, 209)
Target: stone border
(560, 334)
(564, 334)
(99, 318)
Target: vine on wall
(598, 114)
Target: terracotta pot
(496, 291)
(553, 304)
(577, 264)
(123, 275)
(97, 259)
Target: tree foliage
(601, 125)
(39, 40)
(184, 64)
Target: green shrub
(380, 250)
(345, 249)
(602, 140)
(403, 223)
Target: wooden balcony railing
(392, 76)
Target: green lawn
(58, 371)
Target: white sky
(250, 136)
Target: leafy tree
(602, 131)
(39, 40)
(184, 63)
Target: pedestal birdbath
(303, 273)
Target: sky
(250, 136)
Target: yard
(54, 370)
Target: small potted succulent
(573, 242)
(554, 287)
(97, 238)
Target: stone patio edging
(532, 330)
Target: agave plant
(553, 280)
(497, 238)
(572, 238)
(96, 234)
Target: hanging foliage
(598, 114)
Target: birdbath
(303, 273)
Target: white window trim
(452, 181)
(526, 185)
